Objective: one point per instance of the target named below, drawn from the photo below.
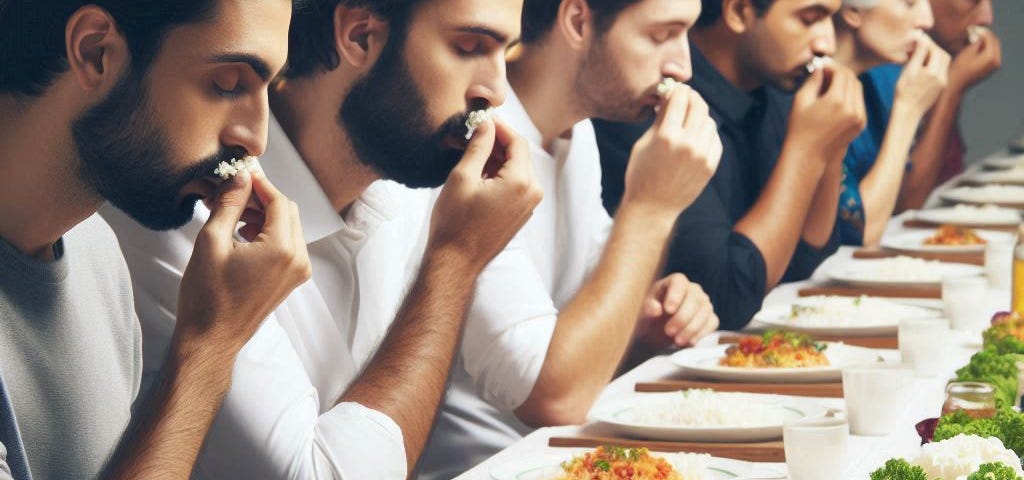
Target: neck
(848, 53)
(546, 86)
(308, 114)
(721, 47)
(42, 195)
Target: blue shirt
(879, 90)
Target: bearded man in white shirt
(344, 379)
(557, 311)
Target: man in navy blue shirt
(768, 214)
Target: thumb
(652, 308)
(227, 209)
(479, 150)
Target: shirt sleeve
(807, 258)
(725, 263)
(508, 329)
(270, 425)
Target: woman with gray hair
(870, 33)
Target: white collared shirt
(281, 419)
(518, 296)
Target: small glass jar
(976, 399)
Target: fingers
(478, 151)
(652, 308)
(697, 112)
(704, 321)
(919, 58)
(674, 293)
(518, 163)
(812, 87)
(674, 112)
(276, 209)
(227, 209)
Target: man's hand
(923, 79)
(976, 62)
(676, 311)
(828, 113)
(477, 214)
(672, 162)
(230, 286)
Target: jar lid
(969, 387)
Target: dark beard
(606, 97)
(125, 157)
(385, 116)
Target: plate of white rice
(703, 415)
(987, 215)
(899, 272)
(1011, 196)
(850, 316)
(1005, 160)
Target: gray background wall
(993, 112)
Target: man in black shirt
(768, 214)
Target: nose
(823, 41)
(248, 130)
(677, 63)
(490, 83)
(925, 17)
(985, 15)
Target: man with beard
(962, 29)
(556, 312)
(133, 102)
(344, 378)
(769, 213)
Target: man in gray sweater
(135, 102)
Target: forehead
(792, 6)
(256, 28)
(502, 16)
(662, 11)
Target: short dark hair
(539, 16)
(32, 50)
(711, 10)
(311, 36)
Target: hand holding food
(229, 286)
(674, 160)
(976, 61)
(677, 311)
(476, 214)
(924, 77)
(828, 112)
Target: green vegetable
(993, 471)
(1007, 425)
(603, 465)
(899, 469)
(999, 370)
(1002, 343)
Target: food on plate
(998, 194)
(776, 349)
(667, 85)
(475, 119)
(971, 215)
(950, 235)
(1007, 425)
(227, 170)
(963, 457)
(975, 32)
(1006, 325)
(900, 269)
(834, 311)
(705, 408)
(616, 463)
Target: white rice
(898, 269)
(705, 408)
(822, 311)
(984, 214)
(974, 33)
(690, 466)
(988, 193)
(477, 118)
(667, 85)
(817, 63)
(227, 170)
(962, 455)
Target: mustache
(456, 124)
(205, 167)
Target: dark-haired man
(768, 214)
(556, 312)
(135, 102)
(344, 379)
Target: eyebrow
(256, 63)
(490, 32)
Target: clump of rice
(227, 170)
(477, 118)
(821, 311)
(974, 33)
(988, 193)
(691, 466)
(817, 63)
(667, 85)
(705, 408)
(962, 455)
(899, 269)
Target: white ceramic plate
(546, 465)
(885, 273)
(914, 242)
(1004, 160)
(620, 414)
(1003, 195)
(1010, 176)
(780, 316)
(992, 217)
(703, 362)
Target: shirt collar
(289, 173)
(733, 103)
(515, 113)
